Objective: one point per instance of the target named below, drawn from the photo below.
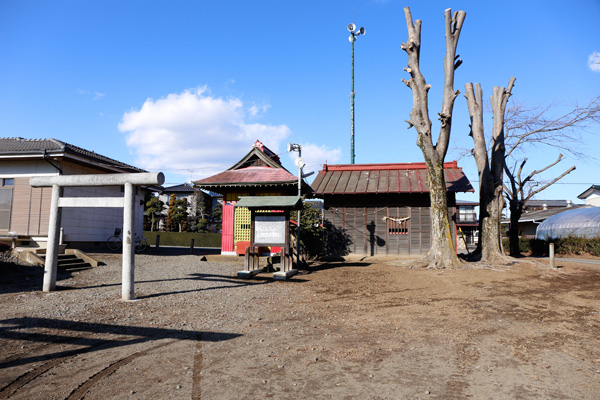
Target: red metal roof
(385, 178)
(249, 176)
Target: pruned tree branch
(533, 193)
(537, 125)
(453, 25)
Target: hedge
(184, 239)
(568, 245)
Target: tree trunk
(490, 170)
(516, 210)
(442, 253)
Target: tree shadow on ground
(15, 278)
(317, 266)
(228, 281)
(58, 331)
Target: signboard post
(269, 226)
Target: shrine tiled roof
(249, 176)
(385, 178)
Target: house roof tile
(21, 146)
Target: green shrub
(184, 239)
(524, 245)
(568, 245)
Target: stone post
(128, 243)
(52, 244)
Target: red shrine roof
(260, 167)
(249, 176)
(385, 178)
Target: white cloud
(87, 93)
(195, 131)
(315, 156)
(594, 61)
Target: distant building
(591, 196)
(539, 205)
(537, 211)
(24, 210)
(467, 222)
(193, 196)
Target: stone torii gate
(127, 202)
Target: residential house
(467, 223)
(194, 196)
(25, 210)
(537, 211)
(591, 196)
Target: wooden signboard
(270, 230)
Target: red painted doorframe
(228, 227)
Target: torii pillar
(129, 181)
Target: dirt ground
(360, 329)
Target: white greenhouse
(581, 222)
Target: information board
(269, 229)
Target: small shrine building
(258, 173)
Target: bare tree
(540, 125)
(490, 168)
(442, 253)
(520, 192)
(535, 126)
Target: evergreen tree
(153, 208)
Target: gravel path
(359, 329)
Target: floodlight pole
(352, 94)
(299, 195)
(354, 33)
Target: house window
(398, 226)
(6, 194)
(466, 215)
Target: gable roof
(259, 167)
(41, 148)
(182, 188)
(541, 215)
(259, 155)
(589, 191)
(385, 178)
(250, 176)
(548, 203)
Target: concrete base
(250, 274)
(281, 275)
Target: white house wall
(593, 200)
(96, 224)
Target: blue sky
(186, 87)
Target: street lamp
(353, 35)
(300, 164)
